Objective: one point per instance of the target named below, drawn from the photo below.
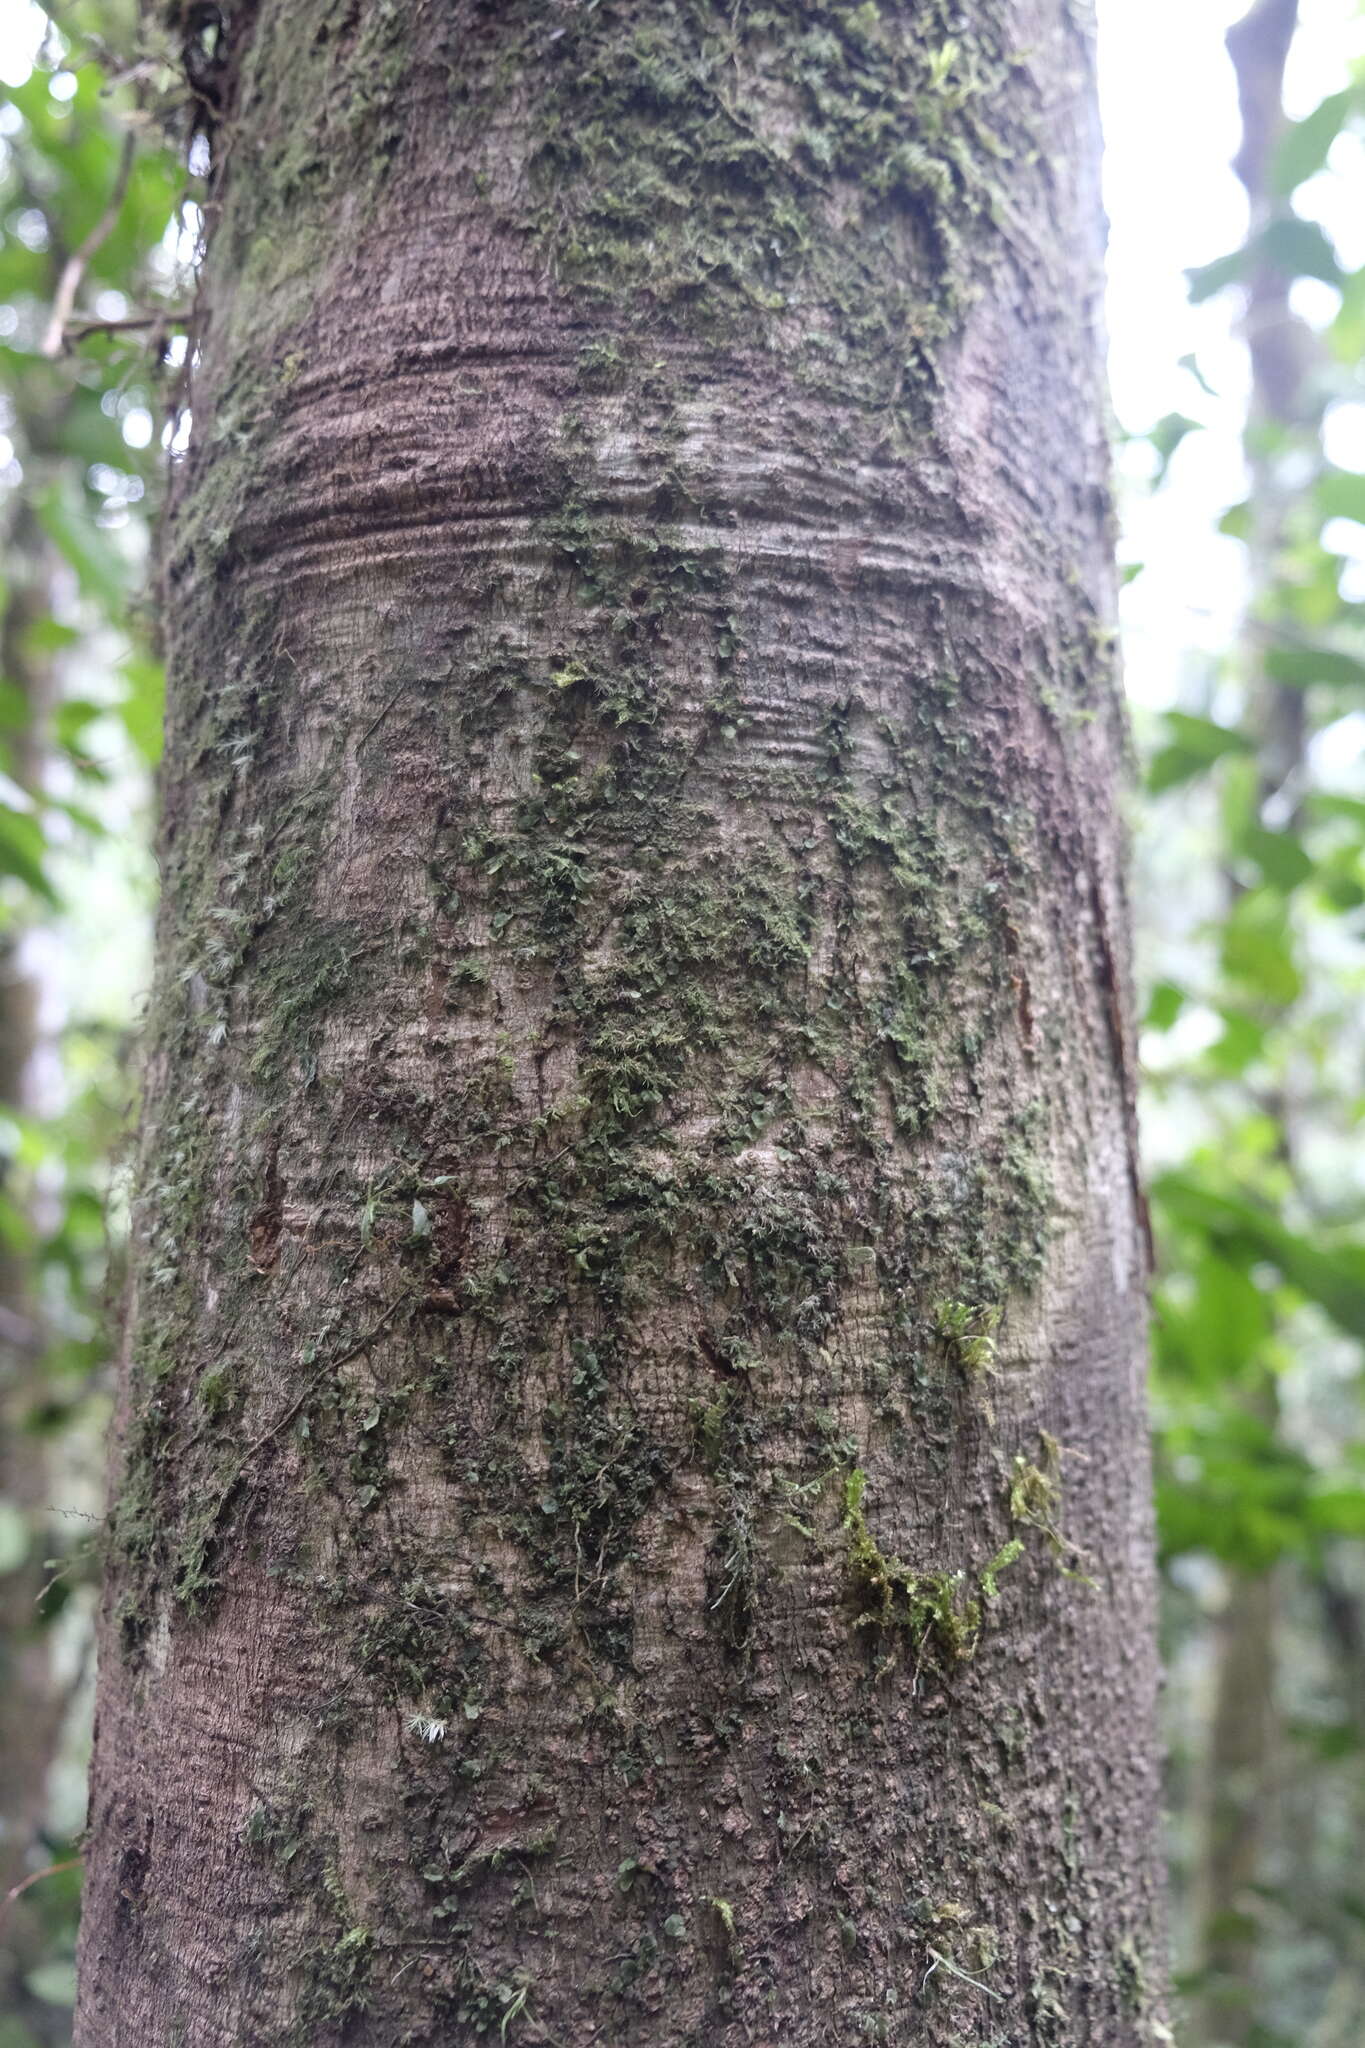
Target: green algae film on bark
(629, 1512)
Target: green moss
(448, 1880)
(277, 1833)
(338, 1979)
(1035, 1502)
(215, 1391)
(969, 1333)
(492, 2008)
(604, 1469)
(325, 92)
(941, 1612)
(808, 176)
(332, 1967)
(297, 980)
(412, 1649)
(1130, 1973)
(601, 365)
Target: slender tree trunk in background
(639, 1281)
(32, 1702)
(1243, 1744)
(1242, 1751)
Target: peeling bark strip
(631, 1508)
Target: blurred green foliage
(95, 222)
(1253, 863)
(1269, 1004)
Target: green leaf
(21, 853)
(1339, 1511)
(1210, 278)
(1191, 363)
(1341, 495)
(54, 1983)
(1193, 746)
(1303, 146)
(1220, 1333)
(1346, 335)
(1344, 892)
(1167, 435)
(1310, 662)
(98, 563)
(49, 636)
(71, 721)
(143, 709)
(1294, 247)
(1244, 1501)
(1299, 248)
(1280, 856)
(1257, 949)
(1333, 1277)
(1164, 1005)
(1327, 804)
(1243, 1040)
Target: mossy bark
(630, 1511)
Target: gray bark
(639, 1286)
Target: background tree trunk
(1244, 1754)
(1240, 1789)
(33, 1698)
(638, 1297)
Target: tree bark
(631, 1503)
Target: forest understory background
(1242, 502)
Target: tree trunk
(631, 1498)
(1240, 1790)
(33, 1699)
(1239, 1821)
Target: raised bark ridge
(638, 1319)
